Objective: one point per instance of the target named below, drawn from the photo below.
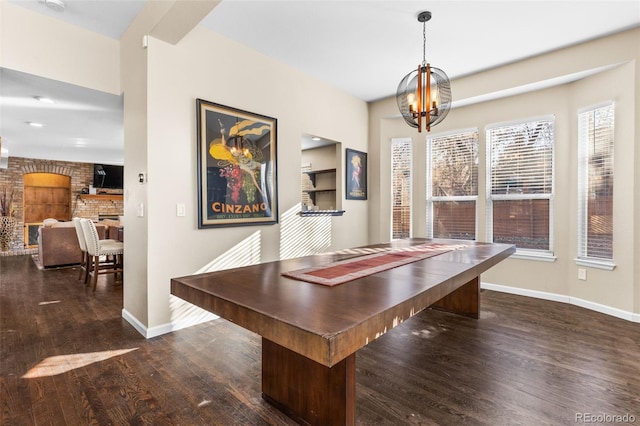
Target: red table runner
(348, 270)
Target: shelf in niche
(318, 172)
(320, 190)
(310, 213)
(101, 197)
(312, 174)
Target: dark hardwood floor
(68, 358)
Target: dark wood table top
(327, 324)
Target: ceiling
(363, 47)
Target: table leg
(463, 301)
(308, 392)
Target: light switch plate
(181, 210)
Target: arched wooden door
(46, 195)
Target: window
(595, 183)
(401, 188)
(520, 185)
(452, 185)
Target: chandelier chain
(424, 44)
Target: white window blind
(401, 188)
(452, 185)
(520, 184)
(595, 182)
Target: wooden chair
(109, 250)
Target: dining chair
(104, 256)
(83, 247)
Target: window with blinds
(520, 184)
(452, 185)
(401, 188)
(595, 182)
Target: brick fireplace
(81, 206)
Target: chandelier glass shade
(424, 95)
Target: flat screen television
(108, 176)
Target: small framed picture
(356, 175)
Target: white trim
(532, 255)
(548, 117)
(584, 116)
(532, 87)
(158, 330)
(430, 198)
(607, 265)
(455, 198)
(140, 327)
(526, 292)
(450, 133)
(491, 198)
(396, 141)
(603, 104)
(429, 188)
(517, 197)
(597, 307)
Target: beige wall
(617, 289)
(208, 66)
(47, 47)
(321, 158)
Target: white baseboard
(149, 332)
(597, 307)
(141, 328)
(189, 320)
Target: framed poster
(237, 183)
(356, 175)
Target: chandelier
(424, 95)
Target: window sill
(607, 265)
(532, 255)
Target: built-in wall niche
(321, 175)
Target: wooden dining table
(311, 332)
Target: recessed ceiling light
(32, 124)
(44, 100)
(57, 5)
(315, 138)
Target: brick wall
(81, 177)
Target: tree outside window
(520, 189)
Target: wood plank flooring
(68, 358)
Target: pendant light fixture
(424, 95)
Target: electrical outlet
(582, 274)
